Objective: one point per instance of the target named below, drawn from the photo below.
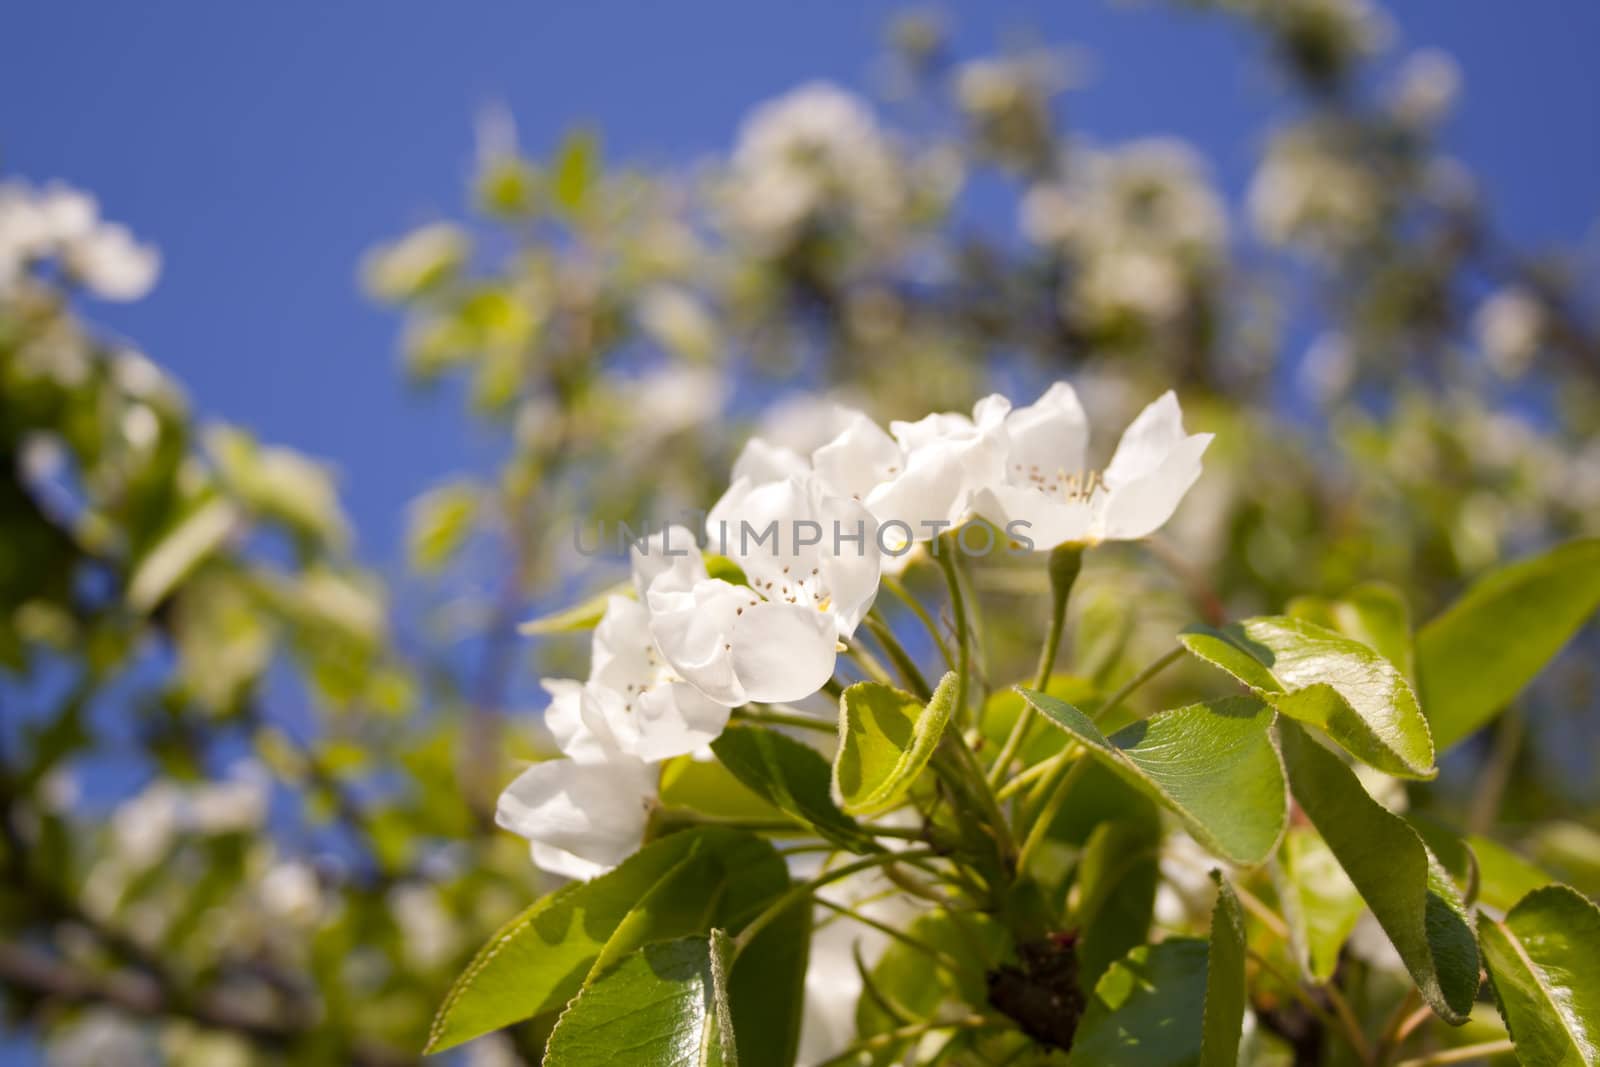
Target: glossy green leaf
(683, 883)
(1117, 878)
(1410, 894)
(1147, 1010)
(1213, 764)
(538, 960)
(767, 989)
(1374, 613)
(1321, 905)
(1223, 1023)
(1487, 646)
(1544, 964)
(792, 777)
(664, 1006)
(886, 738)
(1329, 680)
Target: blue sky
(265, 146)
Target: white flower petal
(783, 652)
(1048, 436)
(595, 812)
(1146, 441)
(1140, 507)
(760, 461)
(859, 459)
(1045, 520)
(568, 723)
(691, 629)
(674, 719)
(672, 552)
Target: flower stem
(1061, 782)
(891, 1038)
(1115, 700)
(1462, 1054)
(958, 609)
(895, 586)
(778, 717)
(899, 657)
(1065, 563)
(805, 889)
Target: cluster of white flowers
(1309, 191)
(1137, 222)
(59, 224)
(814, 152)
(812, 535)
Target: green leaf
(665, 1006)
(1321, 904)
(1409, 893)
(1487, 646)
(767, 989)
(203, 530)
(1329, 680)
(577, 170)
(1147, 1010)
(1225, 993)
(539, 959)
(1504, 877)
(1213, 764)
(1374, 613)
(792, 777)
(1117, 878)
(684, 883)
(886, 738)
(582, 616)
(1545, 970)
(440, 521)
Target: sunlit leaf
(1213, 764)
(1148, 1010)
(201, 532)
(440, 522)
(1225, 991)
(1329, 680)
(582, 616)
(1410, 894)
(1320, 904)
(665, 1006)
(886, 738)
(1545, 969)
(1487, 646)
(1373, 613)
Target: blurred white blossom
(812, 154)
(63, 224)
(1510, 325)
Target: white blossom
(812, 152)
(776, 638)
(1048, 484)
(1510, 325)
(582, 816)
(61, 223)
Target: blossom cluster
(59, 224)
(671, 662)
